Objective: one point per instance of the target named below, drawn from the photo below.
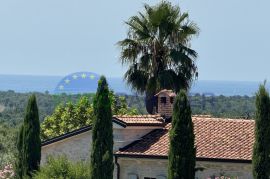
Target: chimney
(165, 99)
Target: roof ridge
(138, 116)
(66, 135)
(222, 119)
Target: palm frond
(183, 17)
(167, 79)
(136, 78)
(145, 61)
(139, 28)
(130, 50)
(187, 31)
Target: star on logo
(83, 75)
(92, 76)
(67, 81)
(74, 77)
(61, 87)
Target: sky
(59, 37)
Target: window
(132, 176)
(161, 177)
(163, 100)
(171, 99)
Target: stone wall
(157, 168)
(142, 168)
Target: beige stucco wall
(157, 167)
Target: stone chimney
(165, 99)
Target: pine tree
(29, 143)
(182, 153)
(261, 148)
(102, 136)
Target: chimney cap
(170, 93)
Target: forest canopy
(12, 105)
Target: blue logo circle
(80, 82)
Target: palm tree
(157, 50)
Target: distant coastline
(30, 83)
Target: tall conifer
(29, 143)
(102, 136)
(182, 152)
(261, 149)
(19, 161)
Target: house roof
(124, 120)
(215, 139)
(67, 135)
(139, 120)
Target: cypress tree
(182, 153)
(19, 166)
(29, 143)
(261, 148)
(102, 134)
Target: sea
(30, 83)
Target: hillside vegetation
(12, 105)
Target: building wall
(77, 148)
(142, 168)
(157, 168)
(125, 136)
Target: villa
(141, 144)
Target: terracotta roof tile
(168, 92)
(140, 120)
(214, 138)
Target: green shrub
(7, 145)
(61, 168)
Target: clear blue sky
(58, 37)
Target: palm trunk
(150, 103)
